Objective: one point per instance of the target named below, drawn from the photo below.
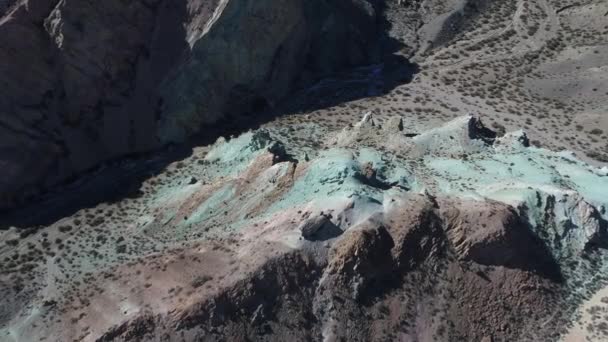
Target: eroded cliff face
(87, 81)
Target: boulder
(311, 226)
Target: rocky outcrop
(85, 82)
(311, 226)
(492, 233)
(361, 256)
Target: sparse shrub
(200, 281)
(596, 131)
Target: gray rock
(395, 124)
(310, 226)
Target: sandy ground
(592, 324)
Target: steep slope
(87, 81)
(455, 233)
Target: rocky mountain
(347, 170)
(452, 234)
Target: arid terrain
(356, 170)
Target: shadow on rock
(326, 232)
(316, 88)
